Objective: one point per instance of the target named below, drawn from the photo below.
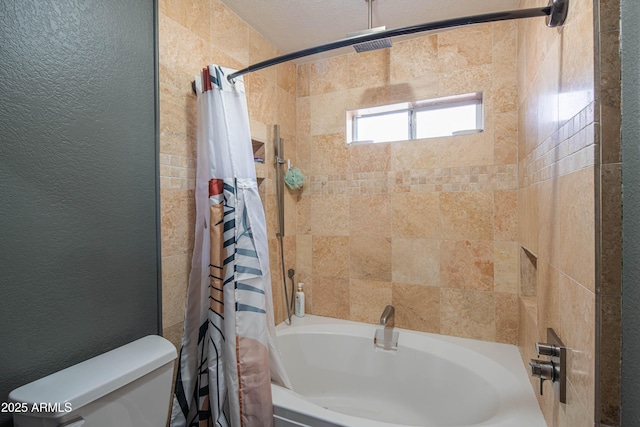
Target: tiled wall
(434, 227)
(429, 226)
(193, 34)
(564, 109)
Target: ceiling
(293, 25)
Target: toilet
(125, 387)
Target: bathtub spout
(388, 319)
(386, 338)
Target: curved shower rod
(555, 11)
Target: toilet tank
(125, 387)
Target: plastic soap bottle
(299, 309)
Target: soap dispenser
(299, 309)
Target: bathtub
(340, 379)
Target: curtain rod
(556, 13)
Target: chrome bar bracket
(559, 11)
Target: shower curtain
(228, 355)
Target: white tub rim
(504, 357)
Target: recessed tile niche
(528, 273)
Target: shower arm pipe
(556, 13)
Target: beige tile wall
(565, 106)
(429, 226)
(193, 34)
(434, 227)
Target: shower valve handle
(554, 368)
(545, 370)
(544, 349)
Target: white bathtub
(340, 379)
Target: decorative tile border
(177, 172)
(569, 149)
(474, 178)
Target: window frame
(412, 108)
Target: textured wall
(631, 163)
(428, 226)
(194, 34)
(78, 250)
(558, 200)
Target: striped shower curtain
(228, 355)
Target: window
(431, 118)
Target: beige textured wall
(428, 226)
(193, 34)
(559, 197)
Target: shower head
(373, 44)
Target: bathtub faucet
(387, 319)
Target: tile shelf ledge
(259, 152)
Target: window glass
(383, 127)
(430, 118)
(435, 122)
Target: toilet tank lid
(90, 380)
